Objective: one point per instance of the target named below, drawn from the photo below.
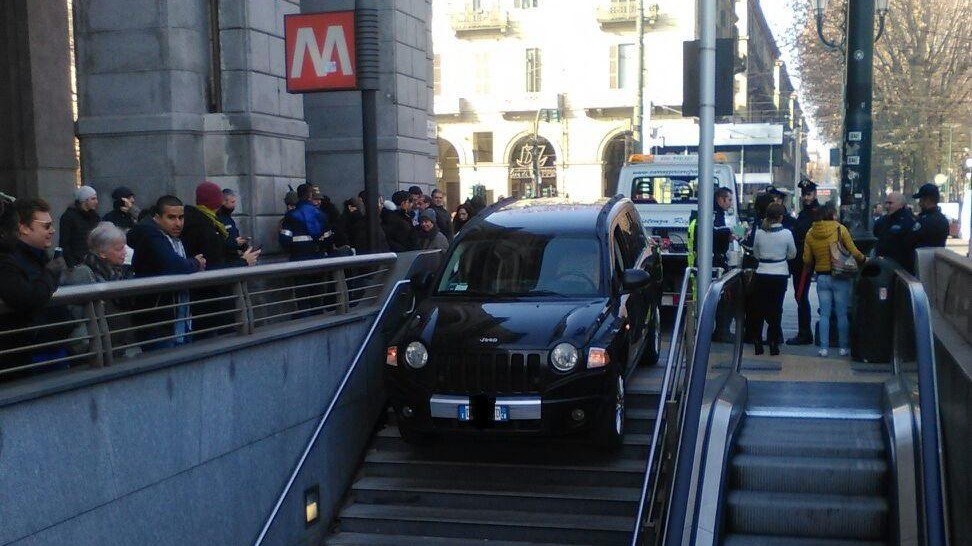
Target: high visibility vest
(691, 242)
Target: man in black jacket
(28, 279)
(893, 230)
(443, 220)
(124, 213)
(931, 226)
(801, 291)
(398, 224)
(77, 222)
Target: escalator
(800, 463)
(799, 475)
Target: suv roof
(573, 215)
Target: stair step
(762, 540)
(818, 475)
(618, 501)
(603, 471)
(823, 516)
(482, 524)
(367, 539)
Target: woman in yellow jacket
(832, 292)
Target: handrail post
(91, 311)
(244, 308)
(341, 283)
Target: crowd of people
(175, 238)
(784, 247)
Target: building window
(481, 76)
(623, 66)
(526, 4)
(533, 70)
(482, 147)
(436, 75)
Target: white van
(664, 189)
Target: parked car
(541, 311)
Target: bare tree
(922, 84)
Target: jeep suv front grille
(470, 372)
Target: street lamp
(857, 45)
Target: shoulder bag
(842, 262)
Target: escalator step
(818, 516)
(763, 540)
(811, 437)
(819, 475)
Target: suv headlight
(416, 355)
(564, 357)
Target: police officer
(801, 291)
(931, 227)
(893, 231)
(722, 237)
(303, 228)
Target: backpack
(842, 262)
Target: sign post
(338, 51)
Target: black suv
(540, 312)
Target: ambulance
(664, 189)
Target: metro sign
(320, 51)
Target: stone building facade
(172, 92)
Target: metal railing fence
(103, 324)
(666, 420)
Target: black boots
(758, 347)
(774, 348)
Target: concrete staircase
(501, 492)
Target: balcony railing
(475, 21)
(625, 12)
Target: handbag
(842, 262)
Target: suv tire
(609, 429)
(652, 341)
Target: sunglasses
(46, 225)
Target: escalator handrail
(392, 294)
(674, 350)
(685, 460)
(930, 434)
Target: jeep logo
(488, 340)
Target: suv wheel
(653, 350)
(609, 431)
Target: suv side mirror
(633, 279)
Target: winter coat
(75, 225)
(431, 240)
(26, 287)
(799, 229)
(301, 231)
(893, 232)
(122, 220)
(355, 228)
(399, 231)
(816, 247)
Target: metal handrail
(104, 322)
(685, 460)
(327, 413)
(674, 359)
(933, 501)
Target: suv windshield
(664, 190)
(515, 263)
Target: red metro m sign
(320, 52)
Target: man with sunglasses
(893, 231)
(28, 279)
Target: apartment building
(527, 85)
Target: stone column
(406, 146)
(37, 141)
(161, 109)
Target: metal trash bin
(874, 317)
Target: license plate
(668, 301)
(500, 413)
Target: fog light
(407, 411)
(578, 415)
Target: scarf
(211, 214)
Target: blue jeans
(832, 293)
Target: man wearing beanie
(124, 213)
(76, 223)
